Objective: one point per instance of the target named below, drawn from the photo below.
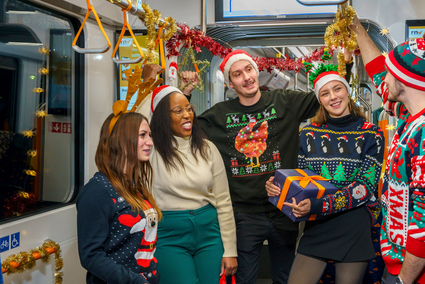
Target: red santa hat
(343, 138)
(311, 133)
(233, 57)
(174, 64)
(360, 137)
(326, 136)
(160, 93)
(325, 78)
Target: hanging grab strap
(91, 50)
(159, 41)
(124, 27)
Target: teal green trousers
(189, 247)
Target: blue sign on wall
(1, 275)
(4, 243)
(15, 240)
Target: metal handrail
(321, 2)
(123, 4)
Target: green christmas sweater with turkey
(403, 200)
(351, 157)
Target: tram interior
(34, 160)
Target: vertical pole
(204, 16)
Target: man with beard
(276, 147)
(400, 81)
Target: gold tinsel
(339, 33)
(152, 19)
(26, 260)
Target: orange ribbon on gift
(304, 179)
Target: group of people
(160, 208)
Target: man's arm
(367, 47)
(411, 268)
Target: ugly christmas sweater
(351, 157)
(115, 243)
(256, 140)
(403, 199)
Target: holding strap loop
(124, 27)
(91, 50)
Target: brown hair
(117, 153)
(321, 113)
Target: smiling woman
(190, 185)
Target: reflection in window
(36, 109)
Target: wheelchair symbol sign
(15, 240)
(4, 244)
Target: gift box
(299, 184)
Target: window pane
(36, 109)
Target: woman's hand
(229, 265)
(272, 190)
(301, 209)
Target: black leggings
(308, 270)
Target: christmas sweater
(256, 140)
(115, 243)
(351, 158)
(403, 199)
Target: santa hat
(174, 64)
(311, 134)
(326, 136)
(360, 137)
(160, 93)
(406, 62)
(323, 75)
(233, 57)
(343, 138)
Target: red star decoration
(405, 52)
(415, 61)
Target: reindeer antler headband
(134, 83)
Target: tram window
(37, 109)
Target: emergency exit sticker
(60, 127)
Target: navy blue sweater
(351, 157)
(115, 244)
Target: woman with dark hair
(341, 146)
(117, 215)
(197, 235)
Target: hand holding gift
(301, 209)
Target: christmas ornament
(205, 63)
(172, 71)
(40, 113)
(326, 55)
(307, 66)
(28, 133)
(384, 31)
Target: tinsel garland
(22, 261)
(197, 39)
(19, 203)
(339, 34)
(152, 19)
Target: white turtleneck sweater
(198, 184)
